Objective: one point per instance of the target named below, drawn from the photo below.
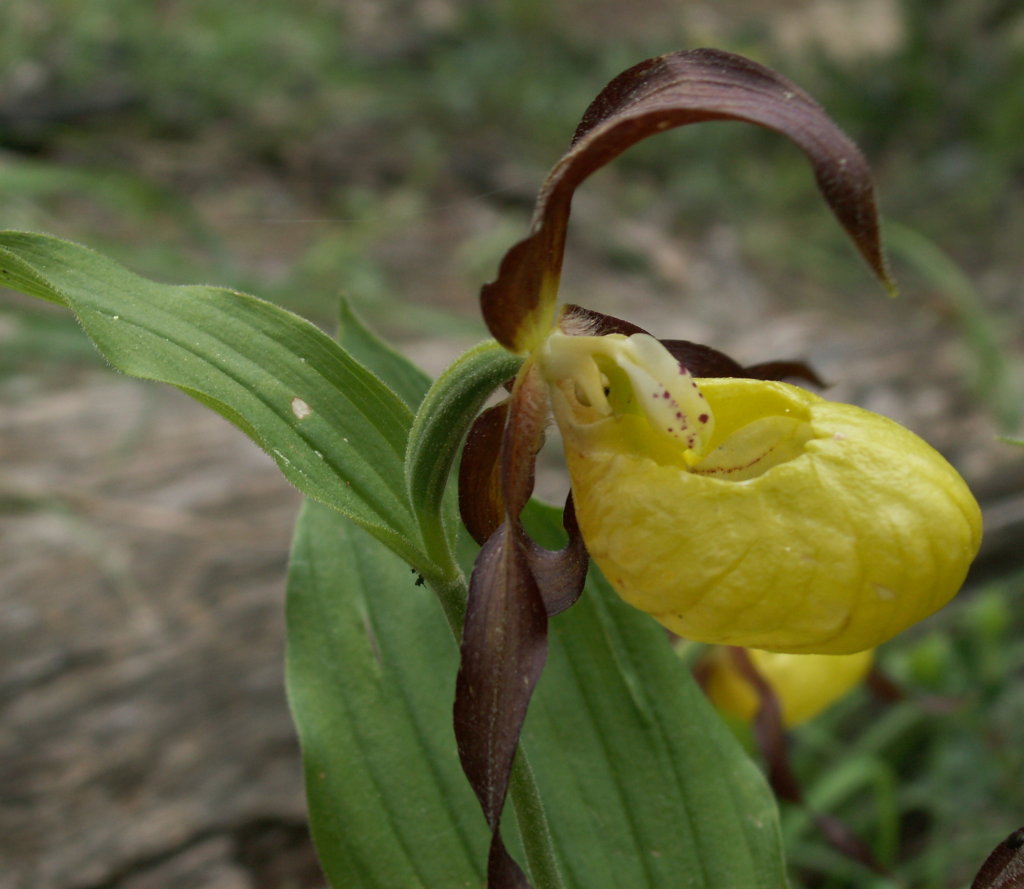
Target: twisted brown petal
(515, 586)
(670, 91)
(560, 574)
(504, 647)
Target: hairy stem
(533, 825)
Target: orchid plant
(719, 503)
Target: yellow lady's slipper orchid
(805, 684)
(731, 509)
(753, 513)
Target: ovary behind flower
(754, 513)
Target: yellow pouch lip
(866, 531)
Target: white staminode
(616, 374)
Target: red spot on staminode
(665, 394)
(703, 418)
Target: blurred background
(389, 151)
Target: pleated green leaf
(371, 677)
(336, 431)
(398, 372)
(643, 785)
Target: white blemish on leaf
(300, 408)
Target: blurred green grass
(390, 150)
(932, 782)
(295, 148)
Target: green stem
(533, 825)
(450, 588)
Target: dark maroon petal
(784, 370)
(1004, 868)
(671, 91)
(516, 584)
(579, 321)
(524, 436)
(504, 646)
(698, 359)
(560, 574)
(703, 361)
(480, 501)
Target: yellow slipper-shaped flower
(753, 513)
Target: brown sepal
(769, 731)
(670, 91)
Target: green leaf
(442, 421)
(408, 381)
(371, 677)
(642, 783)
(337, 432)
